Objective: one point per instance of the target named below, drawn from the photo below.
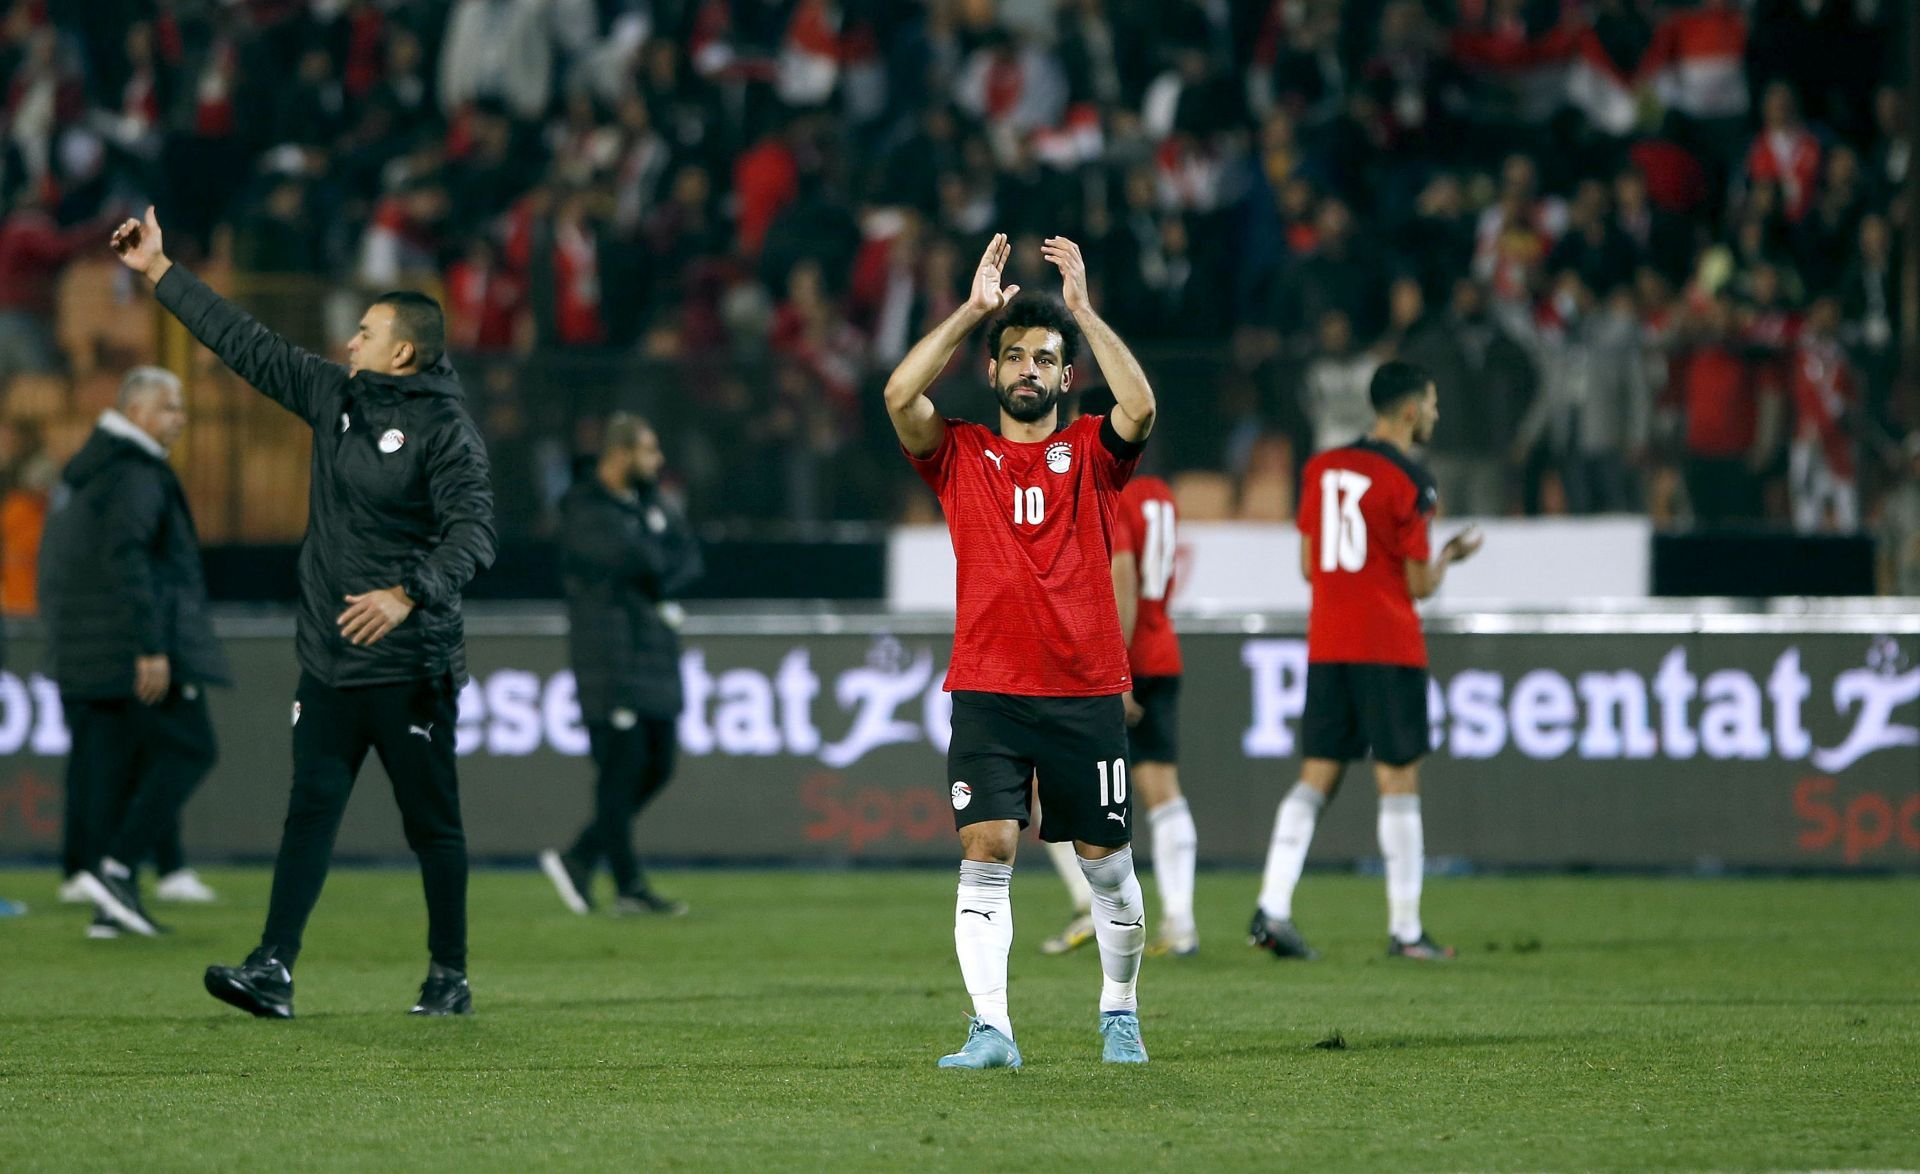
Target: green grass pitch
(793, 1020)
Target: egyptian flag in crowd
(1697, 62)
(1596, 84)
(1532, 69)
(1077, 140)
(809, 62)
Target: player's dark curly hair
(1396, 381)
(1041, 310)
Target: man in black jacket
(132, 643)
(628, 553)
(399, 517)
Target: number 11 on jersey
(1343, 529)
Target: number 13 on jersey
(1343, 528)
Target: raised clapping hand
(1462, 546)
(987, 296)
(373, 615)
(1065, 256)
(140, 247)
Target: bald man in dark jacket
(628, 554)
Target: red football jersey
(1032, 530)
(1145, 526)
(1366, 508)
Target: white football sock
(1287, 854)
(1403, 844)
(983, 937)
(1119, 926)
(1068, 866)
(1175, 845)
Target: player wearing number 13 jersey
(1039, 663)
(1364, 514)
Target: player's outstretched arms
(914, 418)
(1423, 579)
(283, 371)
(1133, 403)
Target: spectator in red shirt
(1822, 460)
(766, 178)
(574, 274)
(1729, 424)
(1785, 152)
(485, 300)
(33, 251)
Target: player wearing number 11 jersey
(1038, 661)
(1364, 512)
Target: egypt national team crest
(962, 795)
(296, 713)
(392, 439)
(1059, 456)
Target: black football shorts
(1075, 747)
(1356, 708)
(1156, 736)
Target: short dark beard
(1027, 413)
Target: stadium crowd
(1650, 248)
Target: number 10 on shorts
(1113, 782)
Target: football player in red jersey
(1143, 581)
(1144, 544)
(1038, 662)
(1364, 511)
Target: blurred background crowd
(1653, 251)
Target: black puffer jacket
(120, 574)
(623, 558)
(400, 493)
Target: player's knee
(993, 842)
(1403, 779)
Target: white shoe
(185, 887)
(74, 893)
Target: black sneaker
(646, 901)
(262, 986)
(573, 882)
(444, 993)
(118, 900)
(1424, 950)
(1279, 938)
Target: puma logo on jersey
(1118, 816)
(992, 456)
(426, 732)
